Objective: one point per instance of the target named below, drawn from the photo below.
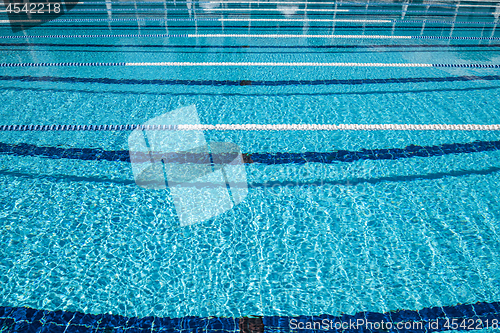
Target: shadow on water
(345, 182)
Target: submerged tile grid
(435, 319)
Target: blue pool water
(334, 222)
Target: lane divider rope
(259, 127)
(207, 19)
(426, 21)
(331, 10)
(240, 64)
(253, 36)
(493, 3)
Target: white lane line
(298, 36)
(20, 21)
(252, 2)
(259, 127)
(205, 19)
(356, 127)
(278, 64)
(274, 10)
(303, 20)
(251, 36)
(253, 20)
(242, 64)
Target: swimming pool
(362, 181)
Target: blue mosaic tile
(21, 326)
(63, 317)
(161, 330)
(193, 322)
(18, 314)
(34, 327)
(132, 322)
(483, 309)
(52, 328)
(405, 315)
(162, 322)
(144, 322)
(30, 313)
(221, 323)
(47, 316)
(79, 318)
(156, 322)
(272, 321)
(77, 329)
(23, 320)
(359, 315)
(323, 316)
(496, 306)
(377, 317)
(466, 310)
(115, 320)
(490, 318)
(452, 312)
(431, 313)
(7, 323)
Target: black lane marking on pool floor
(269, 184)
(466, 317)
(191, 94)
(95, 154)
(27, 78)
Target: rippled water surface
(387, 229)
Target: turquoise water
(368, 235)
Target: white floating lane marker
(219, 64)
(303, 20)
(363, 4)
(277, 64)
(20, 21)
(273, 10)
(342, 127)
(203, 19)
(241, 64)
(252, 36)
(299, 36)
(259, 127)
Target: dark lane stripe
(248, 82)
(431, 319)
(269, 184)
(374, 154)
(275, 12)
(191, 94)
(361, 46)
(95, 154)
